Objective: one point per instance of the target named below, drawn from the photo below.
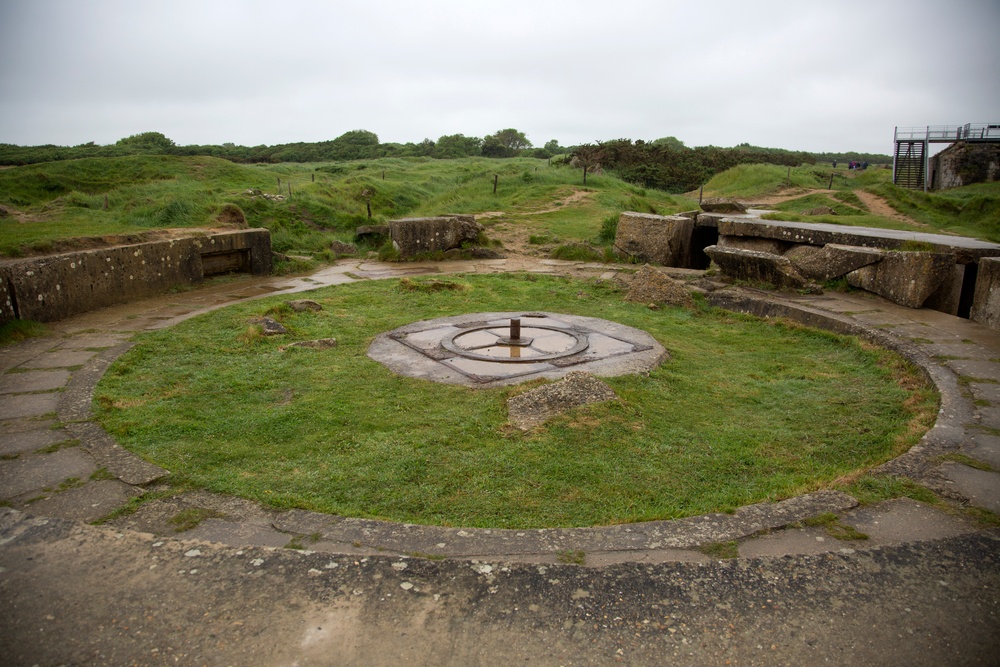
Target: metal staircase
(909, 160)
(909, 163)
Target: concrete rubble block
(656, 239)
(755, 266)
(906, 278)
(411, 236)
(986, 302)
(722, 205)
(831, 261)
(772, 246)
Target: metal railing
(950, 133)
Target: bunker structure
(913, 167)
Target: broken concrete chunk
(412, 236)
(722, 205)
(756, 267)
(832, 260)
(657, 239)
(269, 325)
(906, 278)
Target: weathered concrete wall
(659, 239)
(412, 236)
(964, 164)
(986, 304)
(51, 288)
(906, 278)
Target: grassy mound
(97, 197)
(746, 410)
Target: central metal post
(514, 340)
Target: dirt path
(514, 235)
(879, 206)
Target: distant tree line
(353, 145)
(665, 163)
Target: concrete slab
(904, 520)
(974, 368)
(988, 416)
(964, 351)
(984, 448)
(16, 383)
(791, 541)
(30, 441)
(59, 359)
(26, 424)
(239, 534)
(93, 341)
(89, 502)
(15, 406)
(32, 474)
(982, 488)
(121, 463)
(985, 392)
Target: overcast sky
(813, 75)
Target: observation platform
(911, 154)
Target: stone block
(986, 302)
(656, 239)
(906, 278)
(412, 236)
(771, 246)
(722, 205)
(831, 261)
(757, 267)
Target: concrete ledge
(54, 287)
(966, 250)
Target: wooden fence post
(495, 177)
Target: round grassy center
(746, 410)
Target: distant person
(834, 164)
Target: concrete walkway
(922, 589)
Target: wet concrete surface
(922, 589)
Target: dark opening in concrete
(233, 261)
(968, 294)
(701, 238)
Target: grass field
(116, 196)
(745, 411)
